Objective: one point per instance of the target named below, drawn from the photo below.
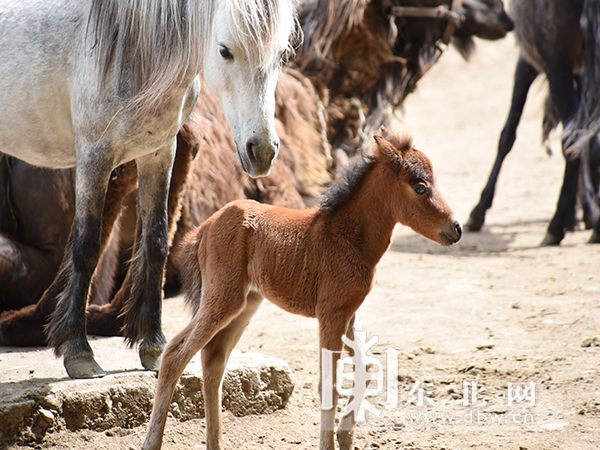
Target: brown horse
(317, 262)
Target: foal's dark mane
(342, 187)
(353, 173)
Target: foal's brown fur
(317, 263)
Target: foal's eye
(225, 53)
(420, 189)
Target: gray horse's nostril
(250, 146)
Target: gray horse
(94, 84)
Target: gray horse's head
(249, 39)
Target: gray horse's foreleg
(67, 327)
(144, 308)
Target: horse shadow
(492, 240)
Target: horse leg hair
(106, 320)
(143, 310)
(564, 97)
(67, 327)
(214, 315)
(524, 76)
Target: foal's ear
(385, 134)
(388, 145)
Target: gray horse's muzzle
(258, 156)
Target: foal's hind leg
(214, 360)
(216, 312)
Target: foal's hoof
(474, 224)
(83, 367)
(550, 240)
(151, 357)
(595, 238)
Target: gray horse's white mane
(256, 27)
(156, 43)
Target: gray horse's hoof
(151, 357)
(595, 238)
(83, 367)
(550, 240)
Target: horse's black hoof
(83, 367)
(151, 357)
(595, 238)
(474, 224)
(550, 240)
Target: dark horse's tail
(190, 274)
(586, 124)
(583, 133)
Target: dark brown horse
(550, 42)
(365, 56)
(321, 118)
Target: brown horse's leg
(25, 327)
(106, 320)
(331, 328)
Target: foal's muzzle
(451, 233)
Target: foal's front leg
(347, 426)
(331, 328)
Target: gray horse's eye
(225, 52)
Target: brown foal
(318, 262)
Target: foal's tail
(190, 274)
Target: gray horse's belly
(37, 41)
(42, 138)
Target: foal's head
(413, 190)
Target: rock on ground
(253, 384)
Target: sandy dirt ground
(464, 322)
